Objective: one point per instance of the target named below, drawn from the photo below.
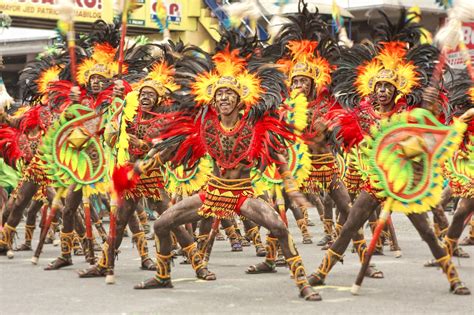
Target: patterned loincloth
(324, 171)
(222, 198)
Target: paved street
(408, 287)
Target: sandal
(459, 252)
(92, 272)
(459, 288)
(153, 283)
(245, 242)
(281, 261)
(394, 248)
(308, 294)
(467, 241)
(78, 252)
(236, 246)
(59, 263)
(205, 274)
(326, 239)
(373, 273)
(260, 251)
(148, 264)
(328, 245)
(263, 267)
(431, 263)
(219, 237)
(378, 252)
(23, 247)
(307, 240)
(314, 280)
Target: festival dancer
(140, 124)
(235, 125)
(308, 50)
(458, 168)
(21, 140)
(389, 77)
(74, 153)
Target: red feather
(348, 123)
(59, 94)
(124, 178)
(265, 130)
(189, 127)
(106, 96)
(33, 118)
(269, 136)
(9, 145)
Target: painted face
(148, 98)
(384, 93)
(303, 83)
(96, 82)
(226, 101)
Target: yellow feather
(129, 111)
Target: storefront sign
(455, 58)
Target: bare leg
(230, 231)
(315, 200)
(469, 240)
(73, 200)
(252, 232)
(263, 214)
(30, 224)
(439, 215)
(180, 232)
(125, 215)
(364, 205)
(464, 209)
(340, 195)
(23, 197)
(420, 221)
(181, 213)
(330, 231)
(301, 221)
(373, 223)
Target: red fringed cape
(250, 143)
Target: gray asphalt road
(408, 287)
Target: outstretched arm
(155, 158)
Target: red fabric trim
(240, 203)
(202, 195)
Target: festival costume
(311, 50)
(21, 137)
(74, 155)
(270, 183)
(398, 165)
(254, 138)
(126, 121)
(459, 168)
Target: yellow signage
(180, 15)
(85, 10)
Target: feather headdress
(390, 65)
(305, 46)
(229, 72)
